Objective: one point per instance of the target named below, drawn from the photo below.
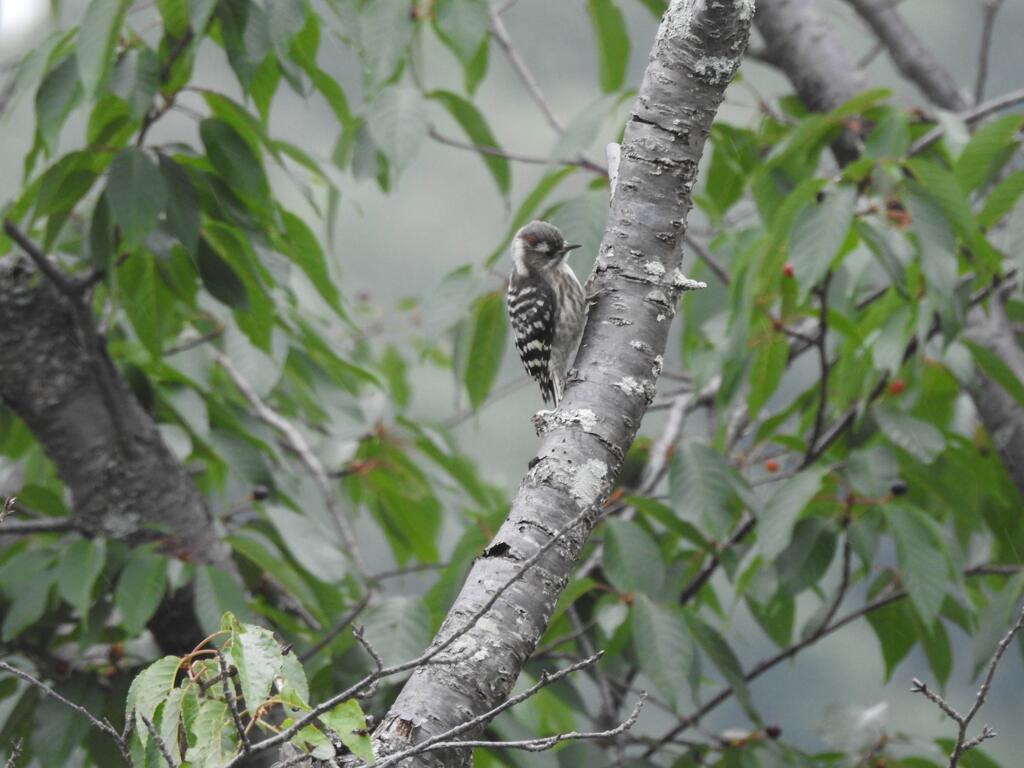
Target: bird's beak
(570, 247)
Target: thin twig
(12, 760)
(229, 699)
(822, 344)
(963, 744)
(196, 341)
(419, 661)
(336, 630)
(483, 149)
(359, 633)
(159, 741)
(501, 35)
(708, 258)
(100, 725)
(989, 11)
(971, 116)
(542, 744)
(743, 527)
(43, 525)
(298, 443)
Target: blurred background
(443, 213)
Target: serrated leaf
(935, 240)
(174, 14)
(148, 690)
(96, 37)
(140, 589)
(216, 593)
(775, 526)
(303, 248)
(385, 31)
(997, 370)
(79, 568)
(717, 648)
(878, 243)
(986, 151)
(145, 300)
(632, 561)
(462, 26)
(219, 278)
(700, 486)
(803, 563)
(818, 234)
(170, 722)
(211, 732)
(925, 569)
(397, 121)
(473, 123)
(347, 720)
(937, 649)
(182, 204)
(766, 371)
(612, 43)
(891, 624)
(486, 346)
(27, 607)
(258, 657)
(136, 193)
(665, 650)
(1001, 199)
(59, 93)
(918, 438)
(236, 161)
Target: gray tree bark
(632, 295)
(828, 77)
(124, 482)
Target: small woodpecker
(546, 306)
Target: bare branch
(153, 734)
(705, 255)
(963, 721)
(989, 11)
(229, 699)
(970, 116)
(501, 35)
(822, 344)
(12, 760)
(100, 725)
(42, 525)
(298, 443)
(360, 635)
(483, 149)
(346, 619)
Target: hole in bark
(497, 550)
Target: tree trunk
(632, 296)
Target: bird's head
(539, 245)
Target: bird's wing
(532, 308)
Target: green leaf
(148, 690)
(397, 121)
(987, 150)
(818, 234)
(96, 37)
(145, 300)
(257, 655)
(79, 568)
(385, 30)
(58, 94)
(135, 81)
(997, 370)
(399, 628)
(767, 368)
(140, 589)
(716, 647)
(486, 346)
(219, 278)
(581, 131)
(664, 648)
(216, 593)
(775, 525)
(803, 563)
(937, 649)
(136, 193)
(462, 26)
(878, 241)
(935, 241)
(891, 624)
(700, 486)
(236, 161)
(175, 15)
(918, 438)
(612, 43)
(347, 720)
(27, 608)
(1001, 199)
(473, 123)
(303, 248)
(632, 561)
(210, 735)
(924, 563)
(182, 204)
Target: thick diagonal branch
(633, 293)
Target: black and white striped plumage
(546, 306)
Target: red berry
(897, 386)
(771, 465)
(787, 270)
